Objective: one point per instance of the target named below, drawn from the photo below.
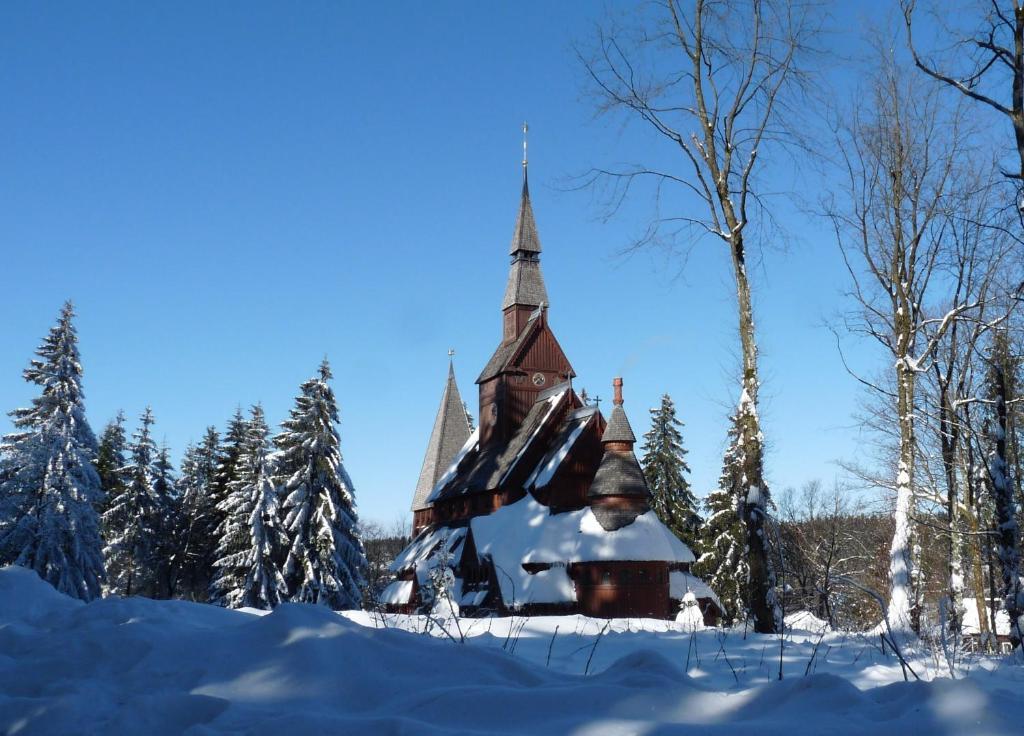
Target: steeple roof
(618, 429)
(524, 237)
(525, 282)
(451, 430)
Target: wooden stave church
(544, 508)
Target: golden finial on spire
(526, 129)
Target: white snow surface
(971, 624)
(135, 666)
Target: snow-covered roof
(551, 402)
(526, 532)
(680, 583)
(453, 466)
(397, 593)
(970, 623)
(549, 465)
(426, 546)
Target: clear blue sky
(229, 191)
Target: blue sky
(230, 191)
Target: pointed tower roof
(619, 473)
(525, 282)
(451, 430)
(524, 236)
(618, 429)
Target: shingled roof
(525, 282)
(619, 474)
(618, 429)
(451, 430)
(524, 237)
(487, 467)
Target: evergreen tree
(166, 548)
(196, 534)
(134, 519)
(1007, 544)
(723, 562)
(665, 468)
(325, 563)
(110, 460)
(251, 535)
(50, 487)
(229, 455)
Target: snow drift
(118, 666)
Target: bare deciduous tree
(984, 61)
(711, 80)
(899, 152)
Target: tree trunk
(763, 606)
(899, 613)
(973, 505)
(949, 441)
(1006, 513)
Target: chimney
(617, 385)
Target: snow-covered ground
(162, 667)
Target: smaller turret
(619, 492)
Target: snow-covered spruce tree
(195, 536)
(110, 459)
(326, 561)
(168, 500)
(251, 536)
(48, 519)
(203, 538)
(723, 559)
(229, 456)
(133, 520)
(665, 468)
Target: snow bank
(158, 667)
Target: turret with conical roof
(619, 492)
(451, 430)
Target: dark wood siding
(622, 589)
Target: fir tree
(251, 535)
(134, 518)
(50, 487)
(229, 455)
(167, 521)
(325, 563)
(196, 533)
(723, 562)
(665, 468)
(110, 460)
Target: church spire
(525, 283)
(451, 430)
